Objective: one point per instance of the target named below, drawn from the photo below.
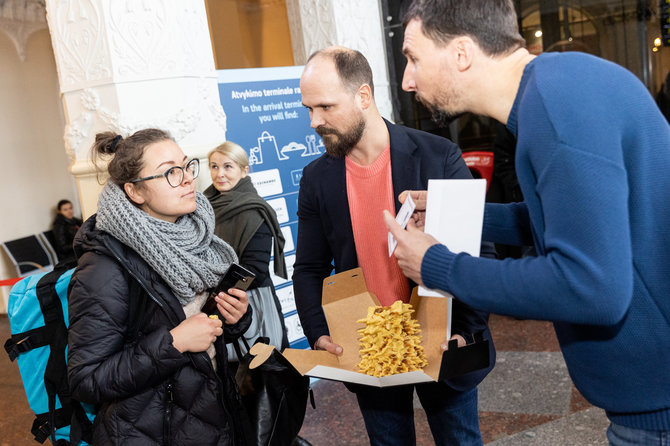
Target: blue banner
(265, 115)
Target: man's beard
(439, 116)
(344, 143)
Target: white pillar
(357, 24)
(125, 65)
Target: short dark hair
(352, 67)
(492, 24)
(63, 203)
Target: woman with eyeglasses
(140, 349)
(249, 224)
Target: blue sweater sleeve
(507, 223)
(584, 273)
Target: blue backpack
(38, 317)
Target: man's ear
(463, 48)
(133, 194)
(365, 95)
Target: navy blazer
(325, 235)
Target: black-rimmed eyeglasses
(175, 175)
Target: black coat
(145, 390)
(64, 230)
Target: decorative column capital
(125, 65)
(98, 42)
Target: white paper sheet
(454, 216)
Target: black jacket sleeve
(313, 263)
(63, 238)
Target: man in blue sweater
(593, 161)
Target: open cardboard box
(346, 300)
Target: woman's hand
(196, 333)
(232, 305)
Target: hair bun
(111, 147)
(106, 143)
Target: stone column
(356, 24)
(124, 65)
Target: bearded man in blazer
(367, 164)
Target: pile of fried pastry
(390, 342)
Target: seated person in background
(249, 224)
(65, 226)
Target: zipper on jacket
(167, 434)
(231, 423)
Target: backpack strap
(81, 428)
(55, 375)
(41, 425)
(22, 342)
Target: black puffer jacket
(64, 230)
(145, 390)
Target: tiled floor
(528, 399)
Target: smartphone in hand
(236, 277)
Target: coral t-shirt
(370, 191)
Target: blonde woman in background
(249, 224)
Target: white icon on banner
(268, 142)
(255, 156)
(313, 148)
(293, 147)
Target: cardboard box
(346, 300)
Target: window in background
(623, 31)
(249, 33)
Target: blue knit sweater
(593, 161)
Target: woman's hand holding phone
(232, 305)
(232, 286)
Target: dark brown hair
(492, 24)
(126, 153)
(62, 203)
(352, 67)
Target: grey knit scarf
(186, 254)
